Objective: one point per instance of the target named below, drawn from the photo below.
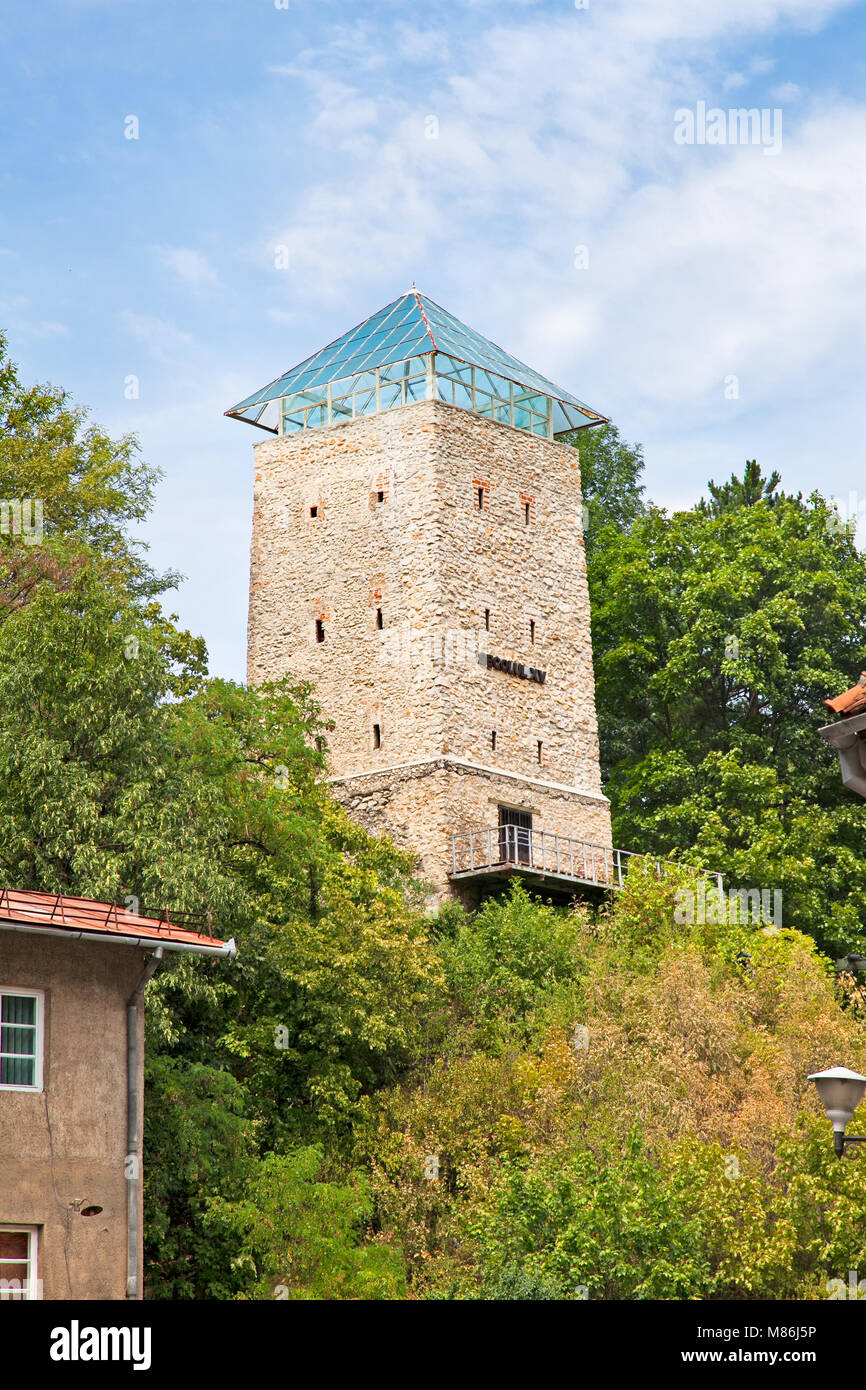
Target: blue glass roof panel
(410, 326)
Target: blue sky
(308, 127)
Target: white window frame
(31, 1290)
(39, 996)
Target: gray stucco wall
(66, 1147)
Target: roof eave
(205, 948)
(257, 424)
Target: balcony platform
(558, 865)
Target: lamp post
(852, 964)
(840, 1092)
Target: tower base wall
(422, 805)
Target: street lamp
(840, 1092)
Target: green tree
(128, 775)
(94, 797)
(745, 492)
(610, 470)
(717, 634)
(505, 960)
(297, 1236)
(198, 1146)
(596, 1225)
(92, 487)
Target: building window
(527, 502)
(18, 1264)
(380, 621)
(532, 631)
(482, 494)
(377, 736)
(540, 751)
(320, 630)
(493, 739)
(21, 1037)
(382, 484)
(314, 511)
(487, 619)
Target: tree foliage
(524, 1102)
(717, 634)
(610, 470)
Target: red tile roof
(59, 913)
(852, 702)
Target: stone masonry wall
(424, 805)
(518, 564)
(410, 542)
(372, 546)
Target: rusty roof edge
(214, 947)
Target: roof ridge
(417, 295)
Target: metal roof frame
(410, 326)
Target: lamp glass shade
(840, 1092)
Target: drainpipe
(133, 1156)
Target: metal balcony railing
(513, 847)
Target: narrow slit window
(487, 619)
(380, 621)
(479, 499)
(526, 513)
(493, 739)
(377, 736)
(380, 495)
(532, 631)
(320, 630)
(314, 511)
(540, 752)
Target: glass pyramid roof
(410, 326)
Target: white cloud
(190, 265)
(662, 20)
(787, 91)
(703, 262)
(740, 266)
(163, 340)
(14, 312)
(48, 328)
(421, 45)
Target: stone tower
(417, 553)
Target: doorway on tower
(515, 835)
